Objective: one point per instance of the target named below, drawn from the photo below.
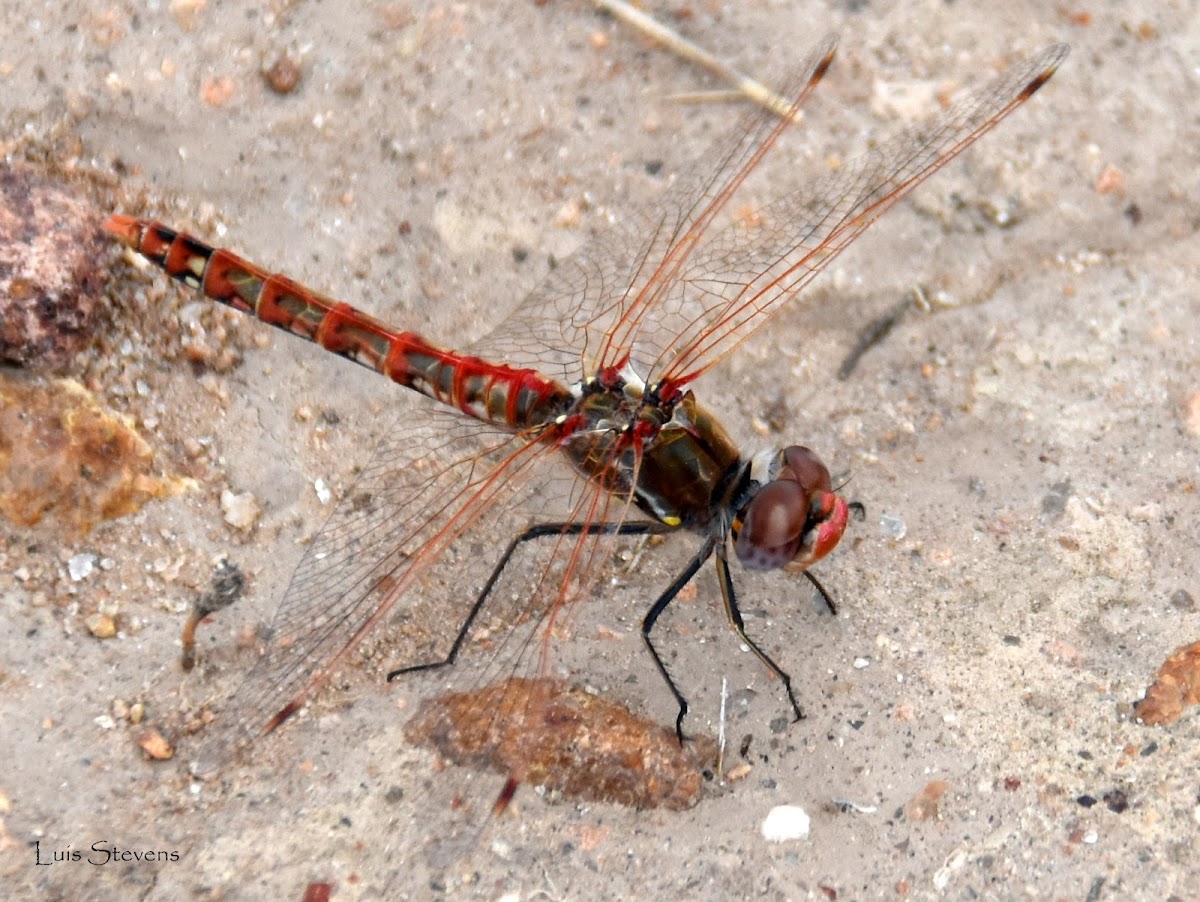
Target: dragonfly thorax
(661, 447)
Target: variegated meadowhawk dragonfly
(591, 374)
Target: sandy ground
(1038, 437)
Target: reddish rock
(547, 733)
(52, 270)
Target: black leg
(735, 620)
(540, 531)
(660, 605)
(825, 596)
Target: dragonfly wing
(435, 476)
(581, 317)
(673, 288)
(744, 274)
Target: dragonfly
(589, 378)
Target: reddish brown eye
(808, 469)
(773, 528)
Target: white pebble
(241, 511)
(80, 566)
(785, 823)
(324, 495)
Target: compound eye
(773, 528)
(808, 469)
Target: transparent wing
(435, 476)
(734, 282)
(673, 294)
(564, 328)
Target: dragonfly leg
(739, 626)
(661, 605)
(540, 531)
(826, 598)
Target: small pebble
(80, 566)
(102, 626)
(1110, 179)
(785, 823)
(926, 804)
(218, 91)
(155, 745)
(241, 511)
(738, 772)
(283, 75)
(324, 495)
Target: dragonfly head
(794, 519)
